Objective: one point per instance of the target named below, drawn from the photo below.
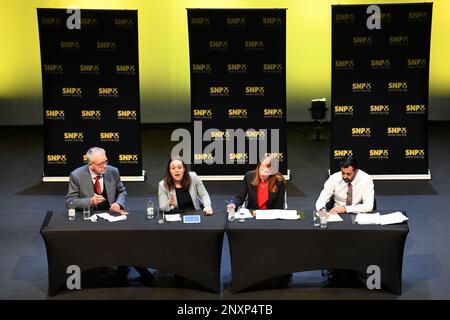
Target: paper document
(376, 218)
(110, 218)
(173, 217)
(334, 217)
(247, 213)
(276, 214)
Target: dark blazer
(81, 187)
(276, 200)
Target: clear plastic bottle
(150, 209)
(71, 211)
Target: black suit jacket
(276, 199)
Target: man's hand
(96, 199)
(338, 209)
(115, 207)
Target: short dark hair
(349, 161)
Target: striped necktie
(349, 195)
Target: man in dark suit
(98, 185)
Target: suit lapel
(89, 183)
(109, 185)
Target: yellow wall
(164, 54)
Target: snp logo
(51, 21)
(236, 21)
(342, 153)
(273, 113)
(123, 22)
(88, 22)
(125, 69)
(254, 45)
(202, 113)
(255, 134)
(418, 16)
(415, 153)
(53, 68)
(254, 91)
(272, 68)
(396, 131)
(201, 68)
(219, 91)
(69, 45)
(345, 18)
(398, 86)
(73, 136)
(398, 40)
(238, 156)
(415, 108)
(380, 109)
(54, 114)
(91, 114)
(343, 110)
(344, 64)
(57, 159)
(379, 154)
(71, 92)
(203, 156)
(89, 68)
(108, 92)
(272, 21)
(110, 136)
(106, 45)
(126, 114)
(218, 45)
(362, 87)
(237, 68)
(199, 21)
(275, 155)
(217, 134)
(237, 113)
(128, 158)
(417, 63)
(380, 64)
(362, 41)
(361, 132)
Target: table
(190, 250)
(263, 249)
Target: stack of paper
(334, 217)
(173, 217)
(376, 218)
(110, 218)
(243, 211)
(276, 214)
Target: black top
(184, 199)
(276, 199)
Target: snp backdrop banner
(90, 85)
(238, 88)
(380, 87)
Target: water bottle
(150, 209)
(71, 211)
(230, 211)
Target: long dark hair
(273, 178)
(169, 184)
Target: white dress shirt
(93, 175)
(362, 194)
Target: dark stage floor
(25, 199)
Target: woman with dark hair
(182, 190)
(264, 187)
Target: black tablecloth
(262, 249)
(189, 250)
